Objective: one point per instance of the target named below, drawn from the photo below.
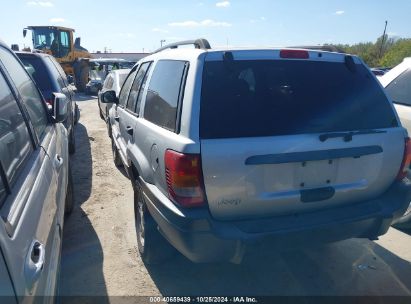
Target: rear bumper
(203, 239)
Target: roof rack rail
(198, 44)
(327, 48)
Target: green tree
(395, 55)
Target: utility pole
(161, 42)
(382, 40)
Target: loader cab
(57, 41)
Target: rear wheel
(110, 132)
(69, 204)
(116, 155)
(153, 247)
(72, 141)
(81, 70)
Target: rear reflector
(184, 178)
(406, 161)
(294, 54)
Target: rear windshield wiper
(347, 136)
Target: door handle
(58, 161)
(130, 130)
(34, 263)
(117, 118)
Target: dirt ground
(100, 256)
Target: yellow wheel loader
(58, 41)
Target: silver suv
(35, 184)
(226, 147)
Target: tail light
(50, 101)
(294, 54)
(184, 178)
(406, 160)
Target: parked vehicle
(50, 78)
(59, 41)
(35, 185)
(226, 147)
(113, 81)
(99, 69)
(377, 72)
(397, 83)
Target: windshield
(43, 38)
(56, 41)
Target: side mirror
(109, 97)
(59, 107)
(77, 42)
(24, 32)
(70, 79)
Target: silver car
(286, 146)
(113, 81)
(35, 184)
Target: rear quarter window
(164, 92)
(286, 97)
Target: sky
(140, 26)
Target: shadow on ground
(79, 97)
(353, 267)
(82, 252)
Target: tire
(152, 246)
(81, 70)
(116, 156)
(404, 222)
(72, 142)
(77, 116)
(101, 114)
(109, 130)
(69, 204)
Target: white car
(113, 82)
(397, 83)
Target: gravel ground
(100, 256)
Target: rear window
(288, 97)
(38, 71)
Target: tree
(395, 55)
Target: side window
(126, 88)
(28, 91)
(54, 72)
(15, 141)
(143, 86)
(164, 93)
(60, 70)
(64, 44)
(135, 89)
(400, 88)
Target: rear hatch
(287, 135)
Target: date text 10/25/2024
(203, 300)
